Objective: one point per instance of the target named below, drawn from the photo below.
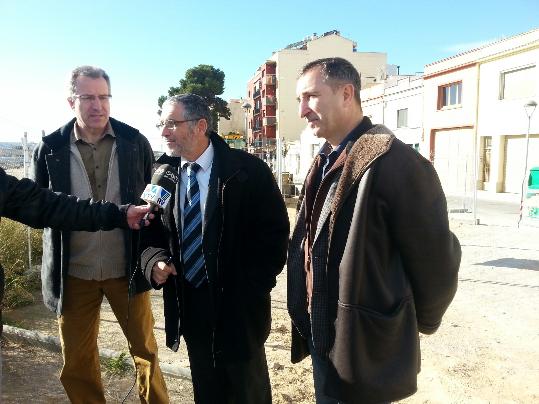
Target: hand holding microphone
(137, 216)
(159, 191)
(158, 194)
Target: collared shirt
(205, 161)
(96, 158)
(328, 156)
(94, 171)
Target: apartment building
(272, 91)
(233, 130)
(262, 114)
(474, 119)
(397, 103)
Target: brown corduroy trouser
(79, 327)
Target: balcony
(256, 93)
(269, 100)
(269, 120)
(271, 79)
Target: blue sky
(146, 46)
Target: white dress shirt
(205, 161)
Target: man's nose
(303, 109)
(165, 132)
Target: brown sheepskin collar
(361, 154)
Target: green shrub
(118, 366)
(20, 281)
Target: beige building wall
(372, 102)
(504, 122)
(381, 104)
(459, 116)
(488, 127)
(448, 139)
(289, 63)
(237, 119)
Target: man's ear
(71, 102)
(348, 93)
(202, 125)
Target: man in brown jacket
(372, 261)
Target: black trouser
(242, 382)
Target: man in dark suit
(225, 232)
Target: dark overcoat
(391, 264)
(51, 168)
(245, 239)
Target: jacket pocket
(375, 355)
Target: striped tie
(192, 256)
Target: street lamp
(246, 107)
(529, 108)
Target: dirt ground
(486, 351)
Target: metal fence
(15, 160)
(467, 203)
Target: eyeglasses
(171, 124)
(91, 98)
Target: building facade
(397, 103)
(233, 129)
(474, 119)
(272, 93)
(262, 116)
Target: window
(518, 83)
(402, 118)
(449, 95)
(487, 149)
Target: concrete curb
(53, 344)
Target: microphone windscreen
(160, 190)
(166, 177)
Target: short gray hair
(194, 106)
(336, 71)
(86, 71)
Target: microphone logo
(164, 196)
(165, 172)
(156, 195)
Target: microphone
(159, 191)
